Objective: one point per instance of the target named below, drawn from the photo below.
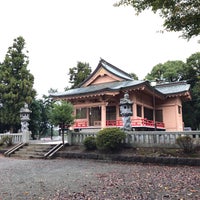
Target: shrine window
(148, 113)
(81, 113)
(111, 113)
(139, 110)
(159, 115)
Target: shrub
(1, 142)
(185, 143)
(110, 139)
(90, 143)
(196, 145)
(7, 139)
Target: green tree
(46, 106)
(134, 76)
(62, 115)
(40, 123)
(191, 109)
(170, 71)
(156, 73)
(193, 62)
(16, 84)
(179, 15)
(51, 91)
(36, 117)
(79, 73)
(175, 71)
(40, 120)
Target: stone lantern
(126, 111)
(25, 117)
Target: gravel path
(60, 179)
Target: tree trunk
(63, 136)
(11, 129)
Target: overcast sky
(59, 33)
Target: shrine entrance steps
(37, 151)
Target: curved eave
(102, 63)
(184, 95)
(86, 95)
(153, 91)
(105, 91)
(117, 72)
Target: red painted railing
(80, 124)
(160, 125)
(119, 123)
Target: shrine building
(96, 101)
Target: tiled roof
(115, 70)
(111, 68)
(113, 86)
(172, 88)
(165, 89)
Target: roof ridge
(102, 63)
(116, 68)
(171, 83)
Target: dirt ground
(75, 179)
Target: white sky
(59, 33)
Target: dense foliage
(16, 85)
(134, 76)
(90, 143)
(185, 143)
(110, 139)
(79, 73)
(6, 140)
(61, 114)
(40, 124)
(179, 15)
(191, 109)
(170, 71)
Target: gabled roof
(114, 70)
(109, 68)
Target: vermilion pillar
(103, 116)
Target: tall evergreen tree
(79, 73)
(16, 84)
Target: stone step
(36, 149)
(27, 156)
(21, 153)
(32, 151)
(31, 146)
